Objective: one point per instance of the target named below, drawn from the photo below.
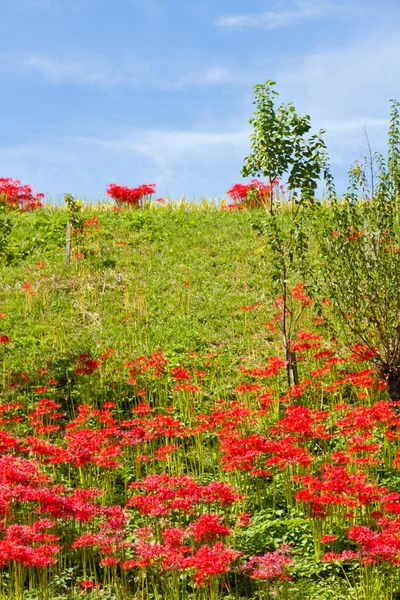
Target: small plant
(74, 211)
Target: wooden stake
(68, 245)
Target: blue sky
(160, 91)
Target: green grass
(133, 297)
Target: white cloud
(100, 71)
(177, 143)
(299, 10)
(357, 78)
(171, 152)
(75, 69)
(343, 90)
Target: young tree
(279, 146)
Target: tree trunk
(392, 378)
(394, 386)
(295, 372)
(68, 244)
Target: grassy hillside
(161, 279)
(148, 430)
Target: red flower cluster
(164, 494)
(270, 565)
(251, 195)
(15, 195)
(130, 196)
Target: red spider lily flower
(225, 418)
(186, 387)
(89, 585)
(338, 487)
(361, 353)
(271, 565)
(323, 354)
(129, 564)
(86, 365)
(165, 452)
(305, 340)
(142, 409)
(98, 447)
(4, 339)
(362, 443)
(154, 364)
(242, 453)
(304, 422)
(327, 539)
(261, 473)
(107, 353)
(19, 545)
(14, 195)
(210, 561)
(344, 556)
(300, 295)
(248, 387)
(366, 419)
(275, 364)
(244, 519)
(8, 443)
(130, 196)
(109, 404)
(92, 221)
(48, 453)
(164, 494)
(109, 561)
(321, 372)
(209, 527)
(180, 373)
(42, 389)
(251, 195)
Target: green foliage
(270, 528)
(74, 212)
(279, 147)
(357, 264)
(5, 231)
